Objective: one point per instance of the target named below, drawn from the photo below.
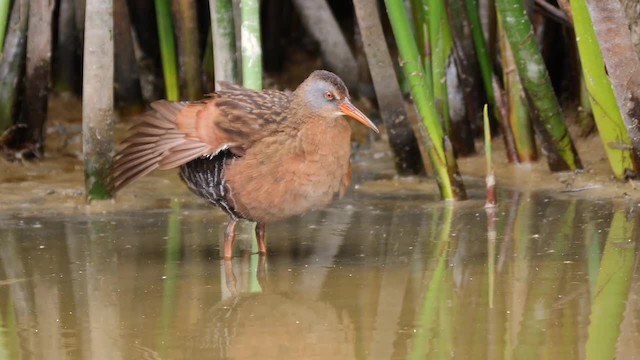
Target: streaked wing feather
(175, 159)
(133, 162)
(122, 181)
(174, 133)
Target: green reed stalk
(585, 111)
(251, 44)
(612, 287)
(4, 18)
(451, 187)
(518, 113)
(224, 41)
(440, 40)
(623, 64)
(482, 51)
(535, 79)
(420, 25)
(498, 103)
(420, 11)
(608, 118)
(167, 49)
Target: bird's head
(326, 95)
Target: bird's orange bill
(348, 109)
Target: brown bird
(258, 155)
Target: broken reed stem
(490, 179)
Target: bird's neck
(319, 137)
(312, 132)
(297, 112)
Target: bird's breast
(287, 175)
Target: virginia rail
(258, 155)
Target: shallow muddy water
(393, 276)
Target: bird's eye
(328, 95)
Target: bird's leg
(262, 244)
(229, 237)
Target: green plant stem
(519, 122)
(4, 17)
(224, 41)
(608, 118)
(251, 44)
(450, 187)
(167, 49)
(484, 59)
(561, 154)
(441, 45)
(421, 24)
(613, 31)
(493, 90)
(585, 112)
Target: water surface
(393, 276)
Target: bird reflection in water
(272, 325)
